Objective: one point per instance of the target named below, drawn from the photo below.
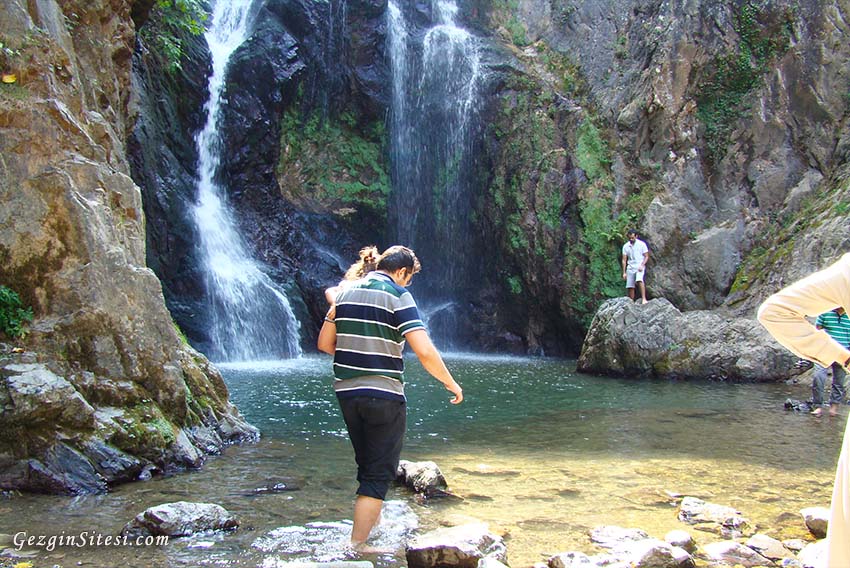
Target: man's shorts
(376, 429)
(633, 276)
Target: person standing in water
(837, 324)
(365, 330)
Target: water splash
(251, 317)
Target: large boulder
(657, 340)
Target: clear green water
(541, 453)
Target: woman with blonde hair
(367, 262)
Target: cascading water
(433, 126)
(251, 317)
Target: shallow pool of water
(540, 452)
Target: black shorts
(376, 428)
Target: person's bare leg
(833, 409)
(631, 292)
(367, 511)
(642, 291)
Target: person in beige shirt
(784, 315)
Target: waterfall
(436, 78)
(251, 318)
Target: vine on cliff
(13, 314)
(723, 96)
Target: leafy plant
(171, 22)
(7, 56)
(13, 315)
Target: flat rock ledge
(463, 546)
(181, 518)
(655, 339)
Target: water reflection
(541, 453)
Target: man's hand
(458, 392)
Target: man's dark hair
(631, 232)
(397, 257)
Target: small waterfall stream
(251, 316)
(436, 78)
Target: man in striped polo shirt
(837, 324)
(365, 330)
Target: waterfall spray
(251, 318)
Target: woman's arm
(784, 314)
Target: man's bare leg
(642, 291)
(631, 292)
(367, 511)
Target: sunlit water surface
(541, 453)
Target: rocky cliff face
(102, 389)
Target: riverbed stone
(181, 518)
(768, 547)
(422, 477)
(698, 512)
(610, 536)
(734, 553)
(462, 546)
(816, 519)
(570, 560)
(813, 555)
(682, 539)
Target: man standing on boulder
(635, 257)
(365, 330)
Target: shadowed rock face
(104, 390)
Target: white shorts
(633, 276)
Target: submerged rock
(181, 518)
(698, 512)
(734, 553)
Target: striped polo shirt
(372, 317)
(838, 327)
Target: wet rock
(798, 405)
(423, 477)
(698, 512)
(570, 560)
(462, 546)
(114, 465)
(731, 552)
(610, 536)
(682, 539)
(181, 518)
(60, 469)
(769, 547)
(816, 519)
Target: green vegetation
(170, 23)
(13, 315)
(506, 14)
(337, 160)
(591, 151)
(515, 284)
(723, 96)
